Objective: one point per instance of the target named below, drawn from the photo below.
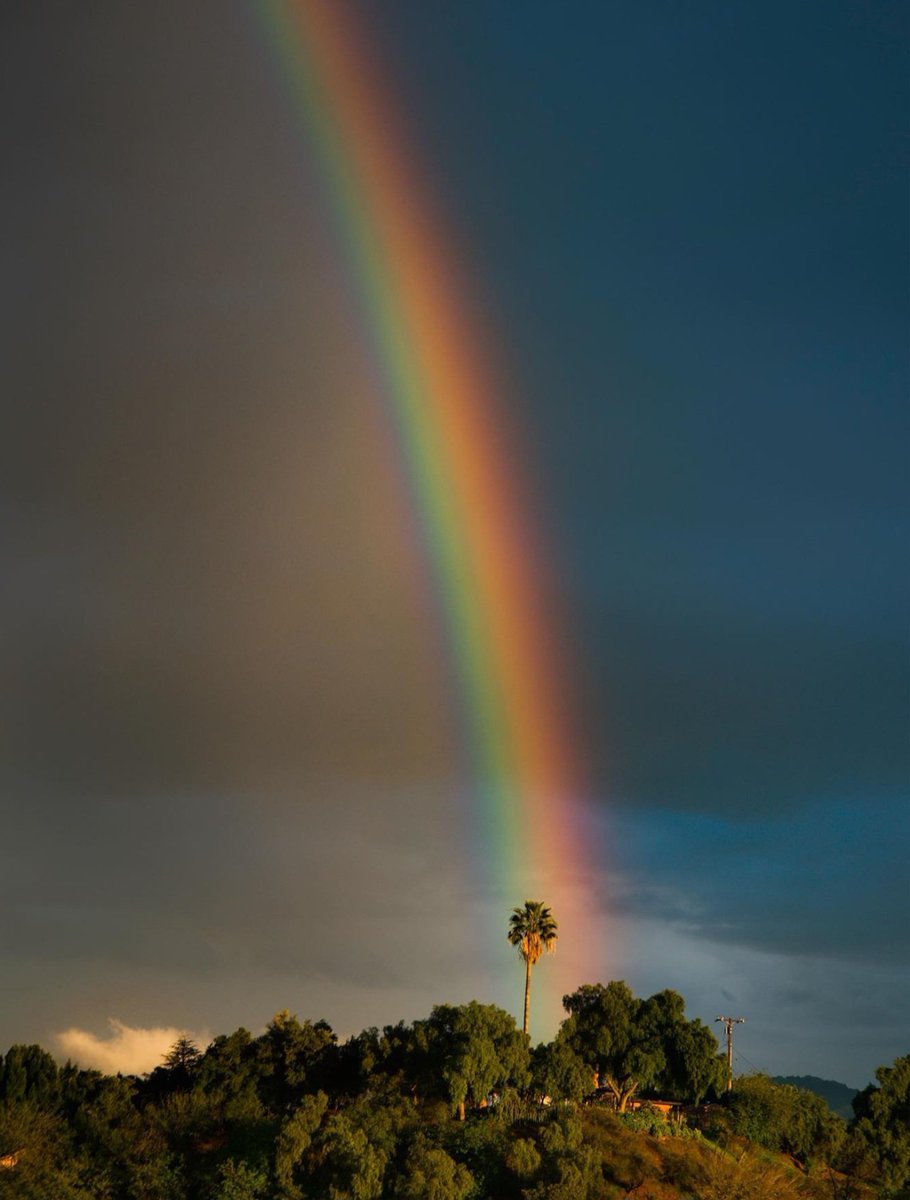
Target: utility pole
(729, 1022)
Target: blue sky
(686, 225)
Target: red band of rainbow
(443, 399)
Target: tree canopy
(291, 1114)
(882, 1126)
(633, 1044)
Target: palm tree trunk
(527, 993)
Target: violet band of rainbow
(445, 405)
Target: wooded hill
(457, 1106)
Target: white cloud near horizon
(127, 1050)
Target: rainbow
(443, 399)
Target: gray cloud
(716, 708)
(229, 777)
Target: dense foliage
(633, 1044)
(452, 1107)
(880, 1135)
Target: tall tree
(533, 930)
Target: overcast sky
(227, 785)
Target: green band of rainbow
(443, 400)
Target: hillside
(838, 1096)
(454, 1106)
(386, 1151)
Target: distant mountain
(838, 1095)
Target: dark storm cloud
(717, 707)
(814, 882)
(270, 884)
(713, 277)
(204, 538)
(228, 779)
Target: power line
(740, 1055)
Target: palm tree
(533, 930)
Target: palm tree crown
(533, 930)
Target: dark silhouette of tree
(178, 1069)
(184, 1055)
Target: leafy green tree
(482, 1146)
(559, 1072)
(222, 1108)
(431, 1174)
(636, 1045)
(405, 1058)
(354, 1149)
(601, 1029)
(292, 1056)
(352, 1168)
(29, 1073)
(109, 1127)
(696, 1068)
(230, 1074)
(153, 1178)
(781, 1117)
(459, 1054)
(127, 1155)
(760, 1109)
(474, 1049)
(294, 1139)
(47, 1162)
(814, 1132)
(683, 1057)
(523, 1158)
(881, 1128)
(569, 1168)
(533, 930)
(240, 1181)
